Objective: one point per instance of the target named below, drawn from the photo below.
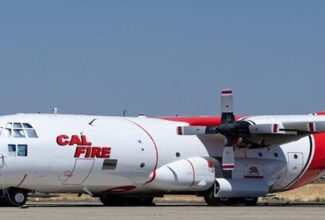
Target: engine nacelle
(191, 174)
(232, 188)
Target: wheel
(17, 197)
(250, 201)
(215, 201)
(113, 200)
(144, 201)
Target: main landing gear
(211, 200)
(117, 200)
(13, 197)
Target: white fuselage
(139, 146)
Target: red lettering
(75, 140)
(79, 151)
(62, 140)
(106, 152)
(84, 141)
(88, 152)
(96, 152)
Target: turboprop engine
(190, 174)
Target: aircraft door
(79, 173)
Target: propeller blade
(227, 107)
(228, 158)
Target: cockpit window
(31, 133)
(18, 130)
(18, 125)
(19, 133)
(26, 125)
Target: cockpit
(18, 130)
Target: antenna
(55, 110)
(125, 112)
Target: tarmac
(164, 211)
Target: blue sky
(162, 57)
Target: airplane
(131, 160)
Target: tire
(250, 201)
(215, 201)
(17, 197)
(110, 200)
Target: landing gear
(224, 201)
(115, 200)
(16, 197)
(250, 201)
(13, 197)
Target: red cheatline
(224, 92)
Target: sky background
(162, 57)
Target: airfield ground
(303, 203)
(309, 193)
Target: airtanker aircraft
(131, 160)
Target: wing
(264, 131)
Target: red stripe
(199, 120)
(228, 166)
(320, 113)
(275, 128)
(121, 189)
(192, 171)
(224, 92)
(156, 149)
(22, 181)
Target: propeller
(233, 131)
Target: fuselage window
(22, 150)
(11, 149)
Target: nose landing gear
(13, 197)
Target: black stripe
(306, 165)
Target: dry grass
(309, 193)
